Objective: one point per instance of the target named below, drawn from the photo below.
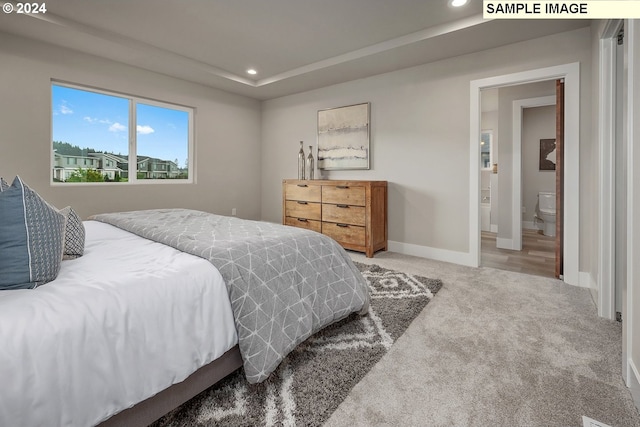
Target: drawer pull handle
(303, 203)
(342, 225)
(302, 185)
(302, 219)
(342, 187)
(342, 206)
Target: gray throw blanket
(284, 283)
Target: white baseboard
(462, 258)
(502, 243)
(634, 383)
(586, 280)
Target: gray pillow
(31, 238)
(3, 184)
(74, 234)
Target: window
(486, 142)
(93, 128)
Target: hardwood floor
(537, 256)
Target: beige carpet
(495, 348)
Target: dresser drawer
(347, 195)
(347, 214)
(352, 212)
(309, 224)
(300, 209)
(309, 193)
(344, 233)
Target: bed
(135, 327)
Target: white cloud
(65, 110)
(144, 130)
(94, 120)
(117, 127)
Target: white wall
(537, 123)
(632, 312)
(599, 209)
(591, 271)
(419, 142)
(227, 131)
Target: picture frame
(547, 154)
(344, 137)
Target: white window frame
(132, 127)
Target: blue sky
(101, 122)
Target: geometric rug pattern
(312, 380)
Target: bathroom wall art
(343, 137)
(548, 154)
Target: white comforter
(125, 321)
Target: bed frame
(144, 413)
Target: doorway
(528, 127)
(571, 75)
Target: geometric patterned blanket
(284, 283)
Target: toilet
(546, 212)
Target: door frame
(606, 297)
(571, 74)
(606, 261)
(518, 107)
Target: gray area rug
(316, 377)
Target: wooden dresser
(354, 213)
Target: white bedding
(126, 320)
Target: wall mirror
(486, 149)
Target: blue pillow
(31, 238)
(3, 184)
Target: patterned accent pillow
(3, 184)
(31, 238)
(73, 235)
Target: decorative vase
(309, 168)
(301, 162)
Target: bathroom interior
(538, 179)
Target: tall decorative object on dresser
(354, 213)
(309, 166)
(301, 161)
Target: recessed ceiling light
(458, 3)
(252, 71)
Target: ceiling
(295, 45)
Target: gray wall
(420, 134)
(419, 124)
(227, 127)
(537, 123)
(505, 167)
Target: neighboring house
(153, 168)
(111, 165)
(65, 165)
